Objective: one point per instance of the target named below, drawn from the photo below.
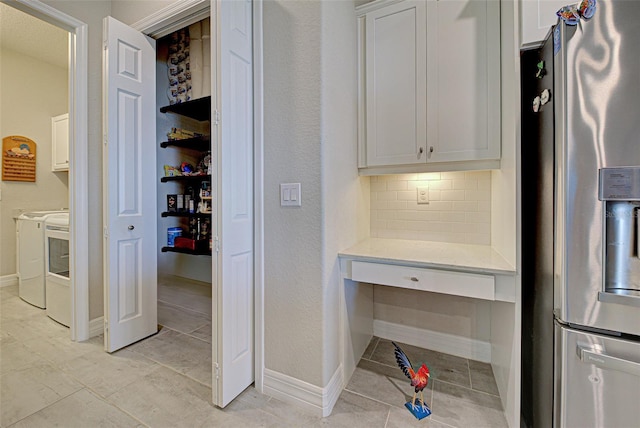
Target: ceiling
(32, 37)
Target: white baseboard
(317, 400)
(96, 327)
(8, 280)
(441, 342)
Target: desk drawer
(438, 281)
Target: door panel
(234, 321)
(129, 161)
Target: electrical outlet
(423, 195)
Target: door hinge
(216, 117)
(105, 139)
(217, 244)
(106, 325)
(106, 232)
(216, 368)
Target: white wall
(345, 197)
(459, 208)
(130, 11)
(32, 92)
(292, 153)
(92, 14)
(455, 315)
(310, 137)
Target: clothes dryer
(30, 256)
(58, 283)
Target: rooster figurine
(419, 381)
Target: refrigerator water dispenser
(620, 191)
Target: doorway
(78, 175)
(232, 181)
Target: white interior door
(129, 169)
(233, 319)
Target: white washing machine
(57, 283)
(30, 261)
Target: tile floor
(165, 381)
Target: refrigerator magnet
(536, 104)
(545, 97)
(541, 71)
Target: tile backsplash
(459, 208)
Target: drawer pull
(414, 279)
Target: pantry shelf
(186, 214)
(206, 252)
(192, 178)
(201, 144)
(198, 109)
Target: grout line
(462, 386)
(369, 398)
(386, 422)
(173, 305)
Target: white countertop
(427, 254)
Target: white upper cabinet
(429, 85)
(463, 80)
(396, 102)
(60, 143)
(536, 17)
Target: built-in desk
(473, 271)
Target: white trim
(78, 157)
(173, 17)
(96, 327)
(8, 280)
(319, 401)
(442, 342)
(258, 194)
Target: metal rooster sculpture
(419, 381)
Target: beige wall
(32, 92)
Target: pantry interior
(184, 147)
(179, 154)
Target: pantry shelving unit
(200, 110)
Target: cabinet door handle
(431, 149)
(414, 279)
(130, 227)
(421, 150)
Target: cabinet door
(60, 143)
(395, 49)
(463, 80)
(537, 17)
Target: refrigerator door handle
(607, 361)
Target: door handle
(608, 362)
(130, 227)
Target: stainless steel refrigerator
(580, 220)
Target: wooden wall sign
(18, 159)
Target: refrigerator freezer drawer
(598, 379)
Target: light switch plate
(290, 195)
(423, 195)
